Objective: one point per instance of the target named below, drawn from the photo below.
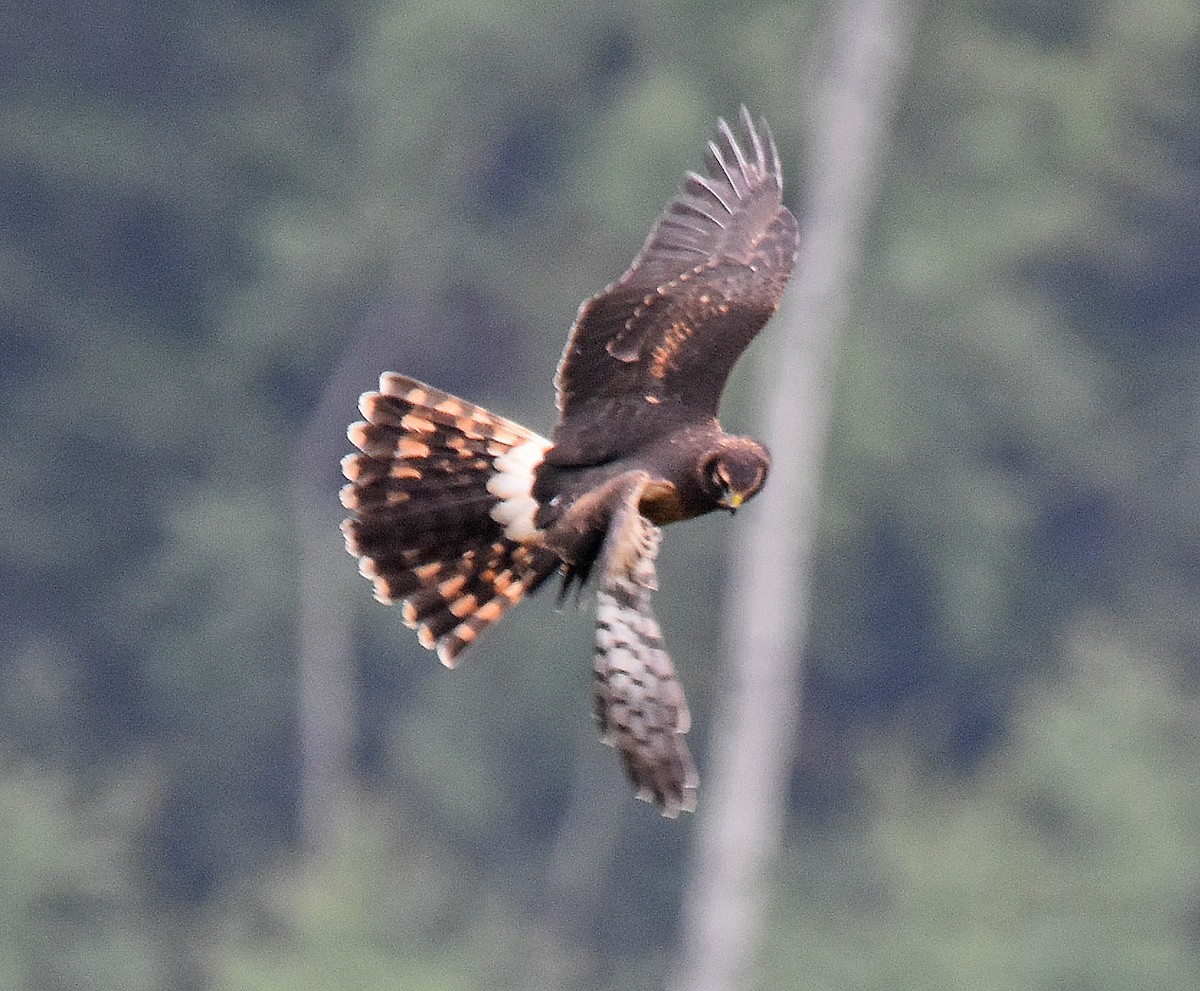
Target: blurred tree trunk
(326, 715)
(742, 816)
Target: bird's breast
(661, 504)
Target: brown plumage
(459, 513)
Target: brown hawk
(459, 513)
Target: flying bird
(458, 513)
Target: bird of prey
(459, 514)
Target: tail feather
(441, 515)
(434, 508)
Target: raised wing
(428, 524)
(709, 276)
(639, 701)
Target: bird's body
(674, 491)
(459, 513)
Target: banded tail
(442, 512)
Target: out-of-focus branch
(325, 709)
(767, 610)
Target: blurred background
(220, 220)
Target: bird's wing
(639, 701)
(440, 510)
(711, 273)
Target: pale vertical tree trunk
(325, 709)
(326, 712)
(767, 610)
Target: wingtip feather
(776, 165)
(755, 139)
(717, 159)
(740, 156)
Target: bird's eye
(718, 475)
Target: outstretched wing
(659, 344)
(440, 510)
(639, 701)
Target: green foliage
(212, 213)
(355, 918)
(1067, 861)
(388, 907)
(70, 913)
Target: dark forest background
(220, 220)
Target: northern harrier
(460, 514)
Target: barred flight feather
(439, 496)
(639, 702)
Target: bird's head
(735, 471)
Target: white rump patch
(513, 486)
